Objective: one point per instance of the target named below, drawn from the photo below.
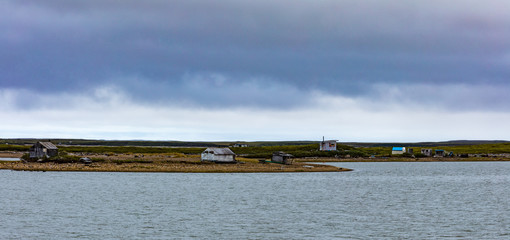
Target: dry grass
(9, 154)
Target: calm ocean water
(439, 200)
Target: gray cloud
(259, 54)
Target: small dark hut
(439, 153)
(43, 149)
(86, 160)
(281, 157)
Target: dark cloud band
(259, 54)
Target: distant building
(221, 155)
(440, 153)
(426, 151)
(398, 150)
(327, 145)
(240, 145)
(43, 149)
(281, 157)
(86, 160)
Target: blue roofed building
(440, 153)
(398, 150)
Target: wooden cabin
(43, 149)
(281, 157)
(219, 155)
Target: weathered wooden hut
(43, 149)
(327, 145)
(398, 150)
(221, 155)
(281, 157)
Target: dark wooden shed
(43, 149)
(281, 157)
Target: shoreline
(192, 164)
(178, 163)
(171, 167)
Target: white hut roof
(220, 151)
(48, 145)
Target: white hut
(222, 155)
(327, 145)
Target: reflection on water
(377, 200)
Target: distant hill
(113, 143)
(146, 143)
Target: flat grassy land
(11, 154)
(497, 148)
(165, 163)
(187, 159)
(260, 151)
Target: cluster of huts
(425, 151)
(213, 154)
(240, 145)
(226, 155)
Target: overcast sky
(353, 70)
